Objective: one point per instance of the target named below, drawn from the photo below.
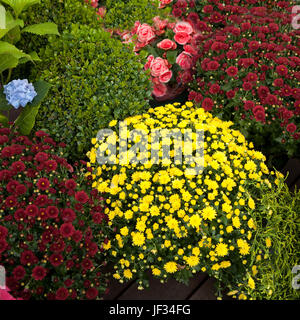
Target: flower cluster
(250, 74)
(171, 51)
(51, 222)
(171, 219)
(19, 92)
(216, 13)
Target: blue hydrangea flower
(19, 93)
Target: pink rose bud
(167, 44)
(182, 38)
(166, 76)
(183, 26)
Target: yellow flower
(236, 222)
(243, 246)
(254, 270)
(107, 246)
(251, 283)
(170, 267)
(154, 210)
(192, 261)
(113, 123)
(156, 272)
(127, 274)
(172, 224)
(268, 242)
(251, 203)
(195, 221)
(116, 276)
(138, 238)
(209, 213)
(124, 231)
(221, 249)
(225, 264)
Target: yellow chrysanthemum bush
(182, 215)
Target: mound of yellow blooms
(171, 221)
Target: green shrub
(122, 14)
(278, 226)
(95, 79)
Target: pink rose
(148, 63)
(159, 90)
(183, 26)
(163, 3)
(184, 61)
(159, 24)
(145, 33)
(167, 44)
(182, 38)
(190, 49)
(166, 76)
(101, 12)
(158, 67)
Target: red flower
(56, 259)
(282, 70)
(68, 215)
(31, 210)
(3, 232)
(39, 273)
(50, 165)
(207, 104)
(19, 273)
(92, 293)
(3, 245)
(87, 264)
(62, 294)
(70, 184)
(21, 189)
(52, 212)
(43, 184)
(11, 202)
(18, 166)
(232, 71)
(27, 256)
(41, 157)
(67, 230)
(291, 127)
(77, 236)
(81, 197)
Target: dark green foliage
(122, 14)
(94, 79)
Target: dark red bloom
(19, 273)
(31, 210)
(62, 294)
(70, 184)
(207, 104)
(92, 293)
(39, 273)
(3, 232)
(27, 256)
(81, 197)
(56, 259)
(41, 156)
(50, 165)
(3, 245)
(18, 166)
(67, 230)
(87, 264)
(68, 215)
(291, 128)
(43, 184)
(52, 212)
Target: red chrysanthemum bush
(52, 224)
(216, 13)
(250, 74)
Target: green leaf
(3, 120)
(7, 61)
(2, 17)
(26, 119)
(42, 28)
(19, 5)
(4, 106)
(11, 23)
(33, 56)
(7, 48)
(171, 56)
